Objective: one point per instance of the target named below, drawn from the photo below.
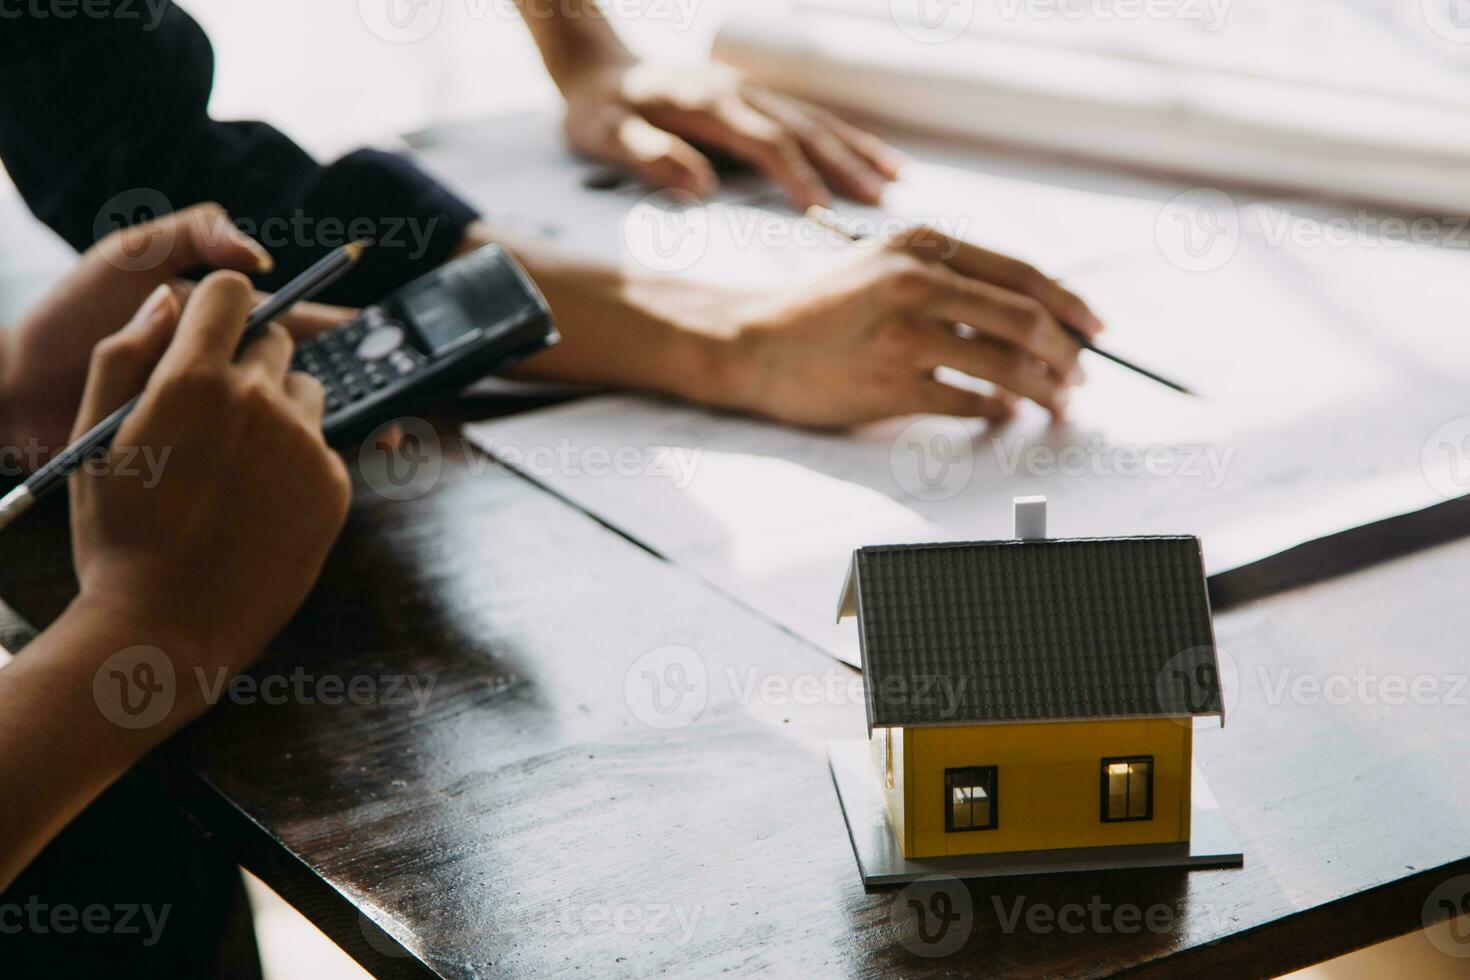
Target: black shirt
(104, 122)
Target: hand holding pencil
(227, 541)
(87, 445)
(1072, 315)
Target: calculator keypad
(334, 359)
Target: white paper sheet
(1351, 99)
(1325, 369)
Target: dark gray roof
(1036, 630)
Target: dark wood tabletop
(537, 814)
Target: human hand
(44, 358)
(858, 344)
(649, 119)
(865, 344)
(209, 563)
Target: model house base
(880, 859)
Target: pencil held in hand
(849, 230)
(55, 472)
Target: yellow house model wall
(1049, 784)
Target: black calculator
(472, 316)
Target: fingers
(659, 158)
(1002, 270)
(212, 324)
(307, 394)
(846, 170)
(122, 362)
(742, 131)
(936, 398)
(1004, 364)
(307, 320)
(880, 156)
(196, 237)
(626, 140)
(304, 320)
(934, 291)
(270, 353)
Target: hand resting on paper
(859, 344)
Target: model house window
(1128, 788)
(970, 802)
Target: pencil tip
(354, 250)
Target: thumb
(122, 363)
(200, 236)
(121, 270)
(656, 156)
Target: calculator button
(380, 343)
(401, 362)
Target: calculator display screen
(440, 320)
(478, 295)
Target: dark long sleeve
(104, 122)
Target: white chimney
(1030, 517)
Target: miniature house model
(1034, 695)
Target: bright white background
(319, 72)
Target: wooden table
(527, 821)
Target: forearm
(58, 747)
(571, 35)
(630, 330)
